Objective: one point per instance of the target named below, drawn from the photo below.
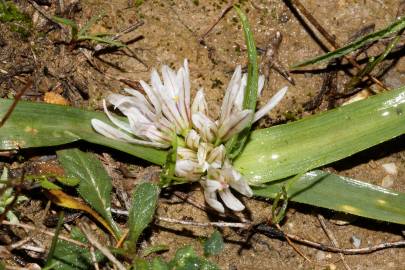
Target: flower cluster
(167, 109)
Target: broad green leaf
(144, 202)
(395, 27)
(41, 125)
(95, 184)
(235, 145)
(281, 151)
(343, 194)
(68, 256)
(214, 244)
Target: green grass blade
(236, 143)
(89, 24)
(343, 194)
(95, 183)
(281, 151)
(144, 203)
(41, 125)
(105, 40)
(395, 27)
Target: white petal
(230, 200)
(199, 103)
(186, 153)
(270, 104)
(211, 185)
(116, 134)
(216, 156)
(211, 199)
(151, 93)
(187, 169)
(142, 103)
(118, 123)
(186, 86)
(260, 84)
(170, 82)
(238, 183)
(238, 103)
(234, 124)
(230, 94)
(205, 126)
(181, 102)
(192, 139)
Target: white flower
(220, 180)
(166, 110)
(152, 120)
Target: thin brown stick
(331, 39)
(223, 13)
(50, 233)
(347, 251)
(42, 12)
(14, 104)
(333, 239)
(204, 224)
(294, 247)
(93, 241)
(19, 243)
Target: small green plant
(82, 34)
(7, 197)
(18, 21)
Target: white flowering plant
(165, 117)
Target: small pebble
(390, 168)
(387, 181)
(355, 241)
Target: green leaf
(144, 202)
(343, 194)
(187, 259)
(70, 23)
(214, 245)
(68, 256)
(71, 182)
(159, 264)
(41, 125)
(154, 249)
(46, 184)
(281, 151)
(95, 184)
(141, 264)
(397, 26)
(89, 24)
(235, 145)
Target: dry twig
(93, 241)
(332, 238)
(297, 4)
(50, 233)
